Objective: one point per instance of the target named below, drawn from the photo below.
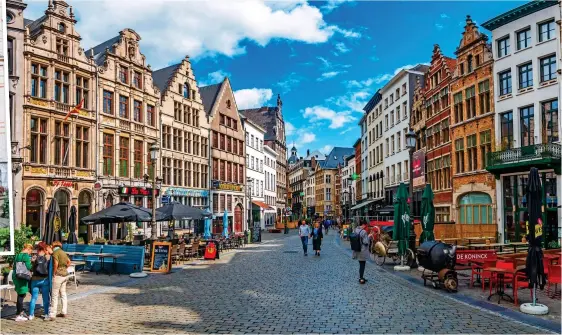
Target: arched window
(34, 210)
(62, 28)
(62, 199)
(475, 208)
(186, 91)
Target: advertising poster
(418, 168)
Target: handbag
(22, 272)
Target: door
(238, 219)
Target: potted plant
(5, 272)
(80, 240)
(100, 241)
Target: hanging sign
(161, 257)
(142, 191)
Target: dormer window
(62, 28)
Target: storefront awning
(362, 204)
(261, 204)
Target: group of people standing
(315, 233)
(45, 272)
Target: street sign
(97, 186)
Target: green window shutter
(484, 86)
(459, 144)
(458, 97)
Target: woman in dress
(317, 238)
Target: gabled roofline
(517, 13)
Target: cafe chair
(8, 287)
(484, 275)
(553, 278)
(72, 275)
(507, 277)
(520, 281)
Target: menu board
(161, 257)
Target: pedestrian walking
(21, 276)
(40, 281)
(362, 236)
(61, 262)
(317, 237)
(304, 232)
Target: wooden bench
(133, 260)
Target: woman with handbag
(40, 282)
(21, 277)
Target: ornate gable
(470, 37)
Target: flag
(75, 110)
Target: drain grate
(290, 252)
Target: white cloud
(379, 79)
(445, 16)
(321, 113)
(328, 75)
(214, 77)
(198, 28)
(289, 129)
(306, 138)
(292, 80)
(326, 149)
(342, 48)
(252, 97)
(332, 4)
(347, 130)
(439, 26)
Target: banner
(418, 168)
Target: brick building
(418, 118)
(438, 143)
(472, 129)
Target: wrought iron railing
(531, 152)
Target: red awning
(261, 204)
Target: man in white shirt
(304, 233)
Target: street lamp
(154, 149)
(411, 146)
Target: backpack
(355, 241)
(41, 266)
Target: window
(527, 125)
(503, 47)
(205, 146)
(166, 170)
(484, 95)
(392, 118)
(459, 153)
(177, 177)
(62, 86)
(196, 176)
(38, 81)
(123, 107)
(546, 31)
(82, 146)
(391, 98)
(485, 147)
(550, 121)
(61, 28)
(548, 68)
(138, 168)
(39, 145)
(398, 142)
(186, 91)
(62, 47)
(470, 102)
(506, 121)
(82, 90)
(108, 102)
(328, 179)
(137, 79)
(469, 66)
(526, 75)
(472, 152)
(461, 68)
(524, 39)
(328, 194)
(475, 208)
(11, 54)
(62, 143)
(137, 111)
(505, 82)
(123, 75)
(150, 116)
(397, 114)
(108, 154)
(123, 157)
(459, 115)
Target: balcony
(63, 58)
(541, 156)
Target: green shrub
(6, 208)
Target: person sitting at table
(40, 281)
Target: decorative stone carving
(44, 39)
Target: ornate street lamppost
(411, 146)
(154, 149)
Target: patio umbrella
(225, 224)
(534, 267)
(207, 231)
(122, 212)
(178, 211)
(427, 215)
(52, 223)
(401, 219)
(72, 226)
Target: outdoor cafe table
(518, 244)
(102, 257)
(500, 272)
(490, 245)
(470, 239)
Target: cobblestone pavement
(272, 288)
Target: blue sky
(326, 59)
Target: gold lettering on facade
(38, 170)
(39, 102)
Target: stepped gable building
(438, 144)
(228, 152)
(128, 123)
(185, 146)
(271, 119)
(327, 188)
(472, 129)
(60, 161)
(418, 117)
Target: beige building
(128, 121)
(58, 160)
(15, 65)
(185, 139)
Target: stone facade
(185, 140)
(472, 129)
(59, 160)
(358, 184)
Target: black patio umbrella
(121, 212)
(534, 267)
(72, 227)
(52, 223)
(178, 211)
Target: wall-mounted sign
(62, 183)
(218, 185)
(186, 192)
(97, 186)
(418, 168)
(142, 191)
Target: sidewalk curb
(528, 320)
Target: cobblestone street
(272, 288)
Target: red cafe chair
(553, 278)
(480, 270)
(520, 281)
(507, 277)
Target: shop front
(230, 198)
(189, 197)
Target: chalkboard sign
(161, 257)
